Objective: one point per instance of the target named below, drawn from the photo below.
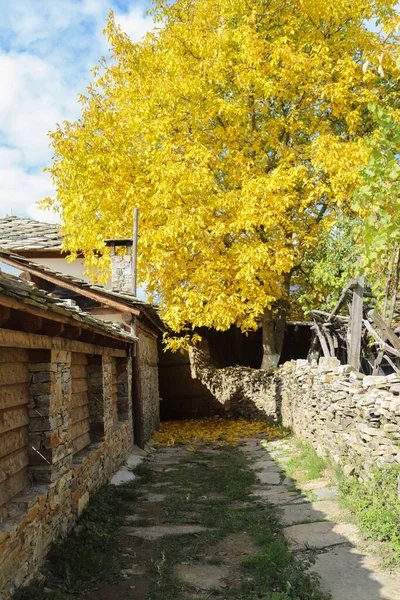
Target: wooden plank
(13, 440)
(11, 355)
(79, 413)
(13, 485)
(79, 428)
(19, 339)
(386, 331)
(78, 371)
(81, 442)
(12, 463)
(11, 373)
(13, 418)
(380, 341)
(47, 313)
(79, 385)
(356, 322)
(322, 340)
(79, 399)
(13, 395)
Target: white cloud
(135, 23)
(46, 54)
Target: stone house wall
(38, 438)
(148, 393)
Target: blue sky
(47, 48)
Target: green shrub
(376, 504)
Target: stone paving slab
(202, 577)
(278, 495)
(150, 497)
(349, 574)
(266, 465)
(321, 534)
(268, 477)
(307, 512)
(326, 493)
(155, 532)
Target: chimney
(122, 275)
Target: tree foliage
(237, 128)
(378, 197)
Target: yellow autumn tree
(236, 127)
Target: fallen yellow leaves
(214, 429)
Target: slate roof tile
(22, 233)
(27, 293)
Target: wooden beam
(29, 322)
(322, 340)
(5, 314)
(72, 333)
(378, 339)
(98, 296)
(385, 330)
(18, 339)
(52, 328)
(15, 304)
(356, 322)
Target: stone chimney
(122, 275)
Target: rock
(347, 573)
(374, 380)
(269, 477)
(321, 534)
(155, 532)
(202, 577)
(154, 497)
(308, 512)
(326, 493)
(328, 364)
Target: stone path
(347, 569)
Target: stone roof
(122, 298)
(22, 233)
(27, 293)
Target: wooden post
(356, 323)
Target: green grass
(306, 464)
(375, 504)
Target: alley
(214, 521)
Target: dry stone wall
(353, 418)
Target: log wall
(14, 419)
(58, 441)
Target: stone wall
(240, 391)
(59, 480)
(353, 418)
(182, 396)
(147, 373)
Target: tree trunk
(270, 354)
(273, 330)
